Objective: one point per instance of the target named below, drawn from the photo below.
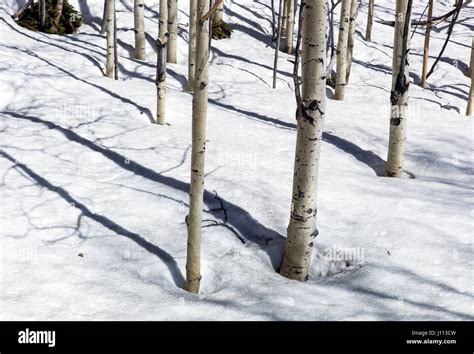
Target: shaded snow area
(93, 196)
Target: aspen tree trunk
(161, 44)
(139, 28)
(470, 100)
(400, 86)
(116, 67)
(42, 13)
(284, 17)
(194, 218)
(173, 30)
(277, 47)
(192, 45)
(310, 120)
(110, 29)
(341, 66)
(370, 21)
(219, 15)
(426, 47)
(350, 40)
(59, 11)
(290, 25)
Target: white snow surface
(93, 196)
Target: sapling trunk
(196, 193)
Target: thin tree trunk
(116, 67)
(59, 11)
(161, 45)
(470, 100)
(277, 47)
(110, 29)
(219, 15)
(194, 218)
(42, 13)
(350, 40)
(330, 47)
(457, 10)
(284, 17)
(103, 26)
(173, 31)
(400, 86)
(139, 24)
(290, 25)
(426, 47)
(341, 66)
(192, 45)
(310, 120)
(370, 21)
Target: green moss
(221, 30)
(69, 22)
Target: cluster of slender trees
(315, 52)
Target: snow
(94, 196)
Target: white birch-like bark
(350, 39)
(426, 46)
(278, 41)
(290, 25)
(470, 100)
(42, 13)
(310, 121)
(161, 44)
(341, 64)
(219, 15)
(196, 193)
(284, 18)
(110, 29)
(370, 21)
(173, 31)
(399, 93)
(192, 45)
(139, 28)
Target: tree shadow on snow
(241, 222)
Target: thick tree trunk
(470, 100)
(219, 15)
(350, 40)
(400, 86)
(173, 31)
(139, 24)
(194, 218)
(426, 47)
(290, 25)
(59, 11)
(161, 44)
(110, 29)
(192, 45)
(42, 13)
(341, 66)
(370, 21)
(310, 116)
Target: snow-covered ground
(93, 196)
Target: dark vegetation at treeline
(69, 21)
